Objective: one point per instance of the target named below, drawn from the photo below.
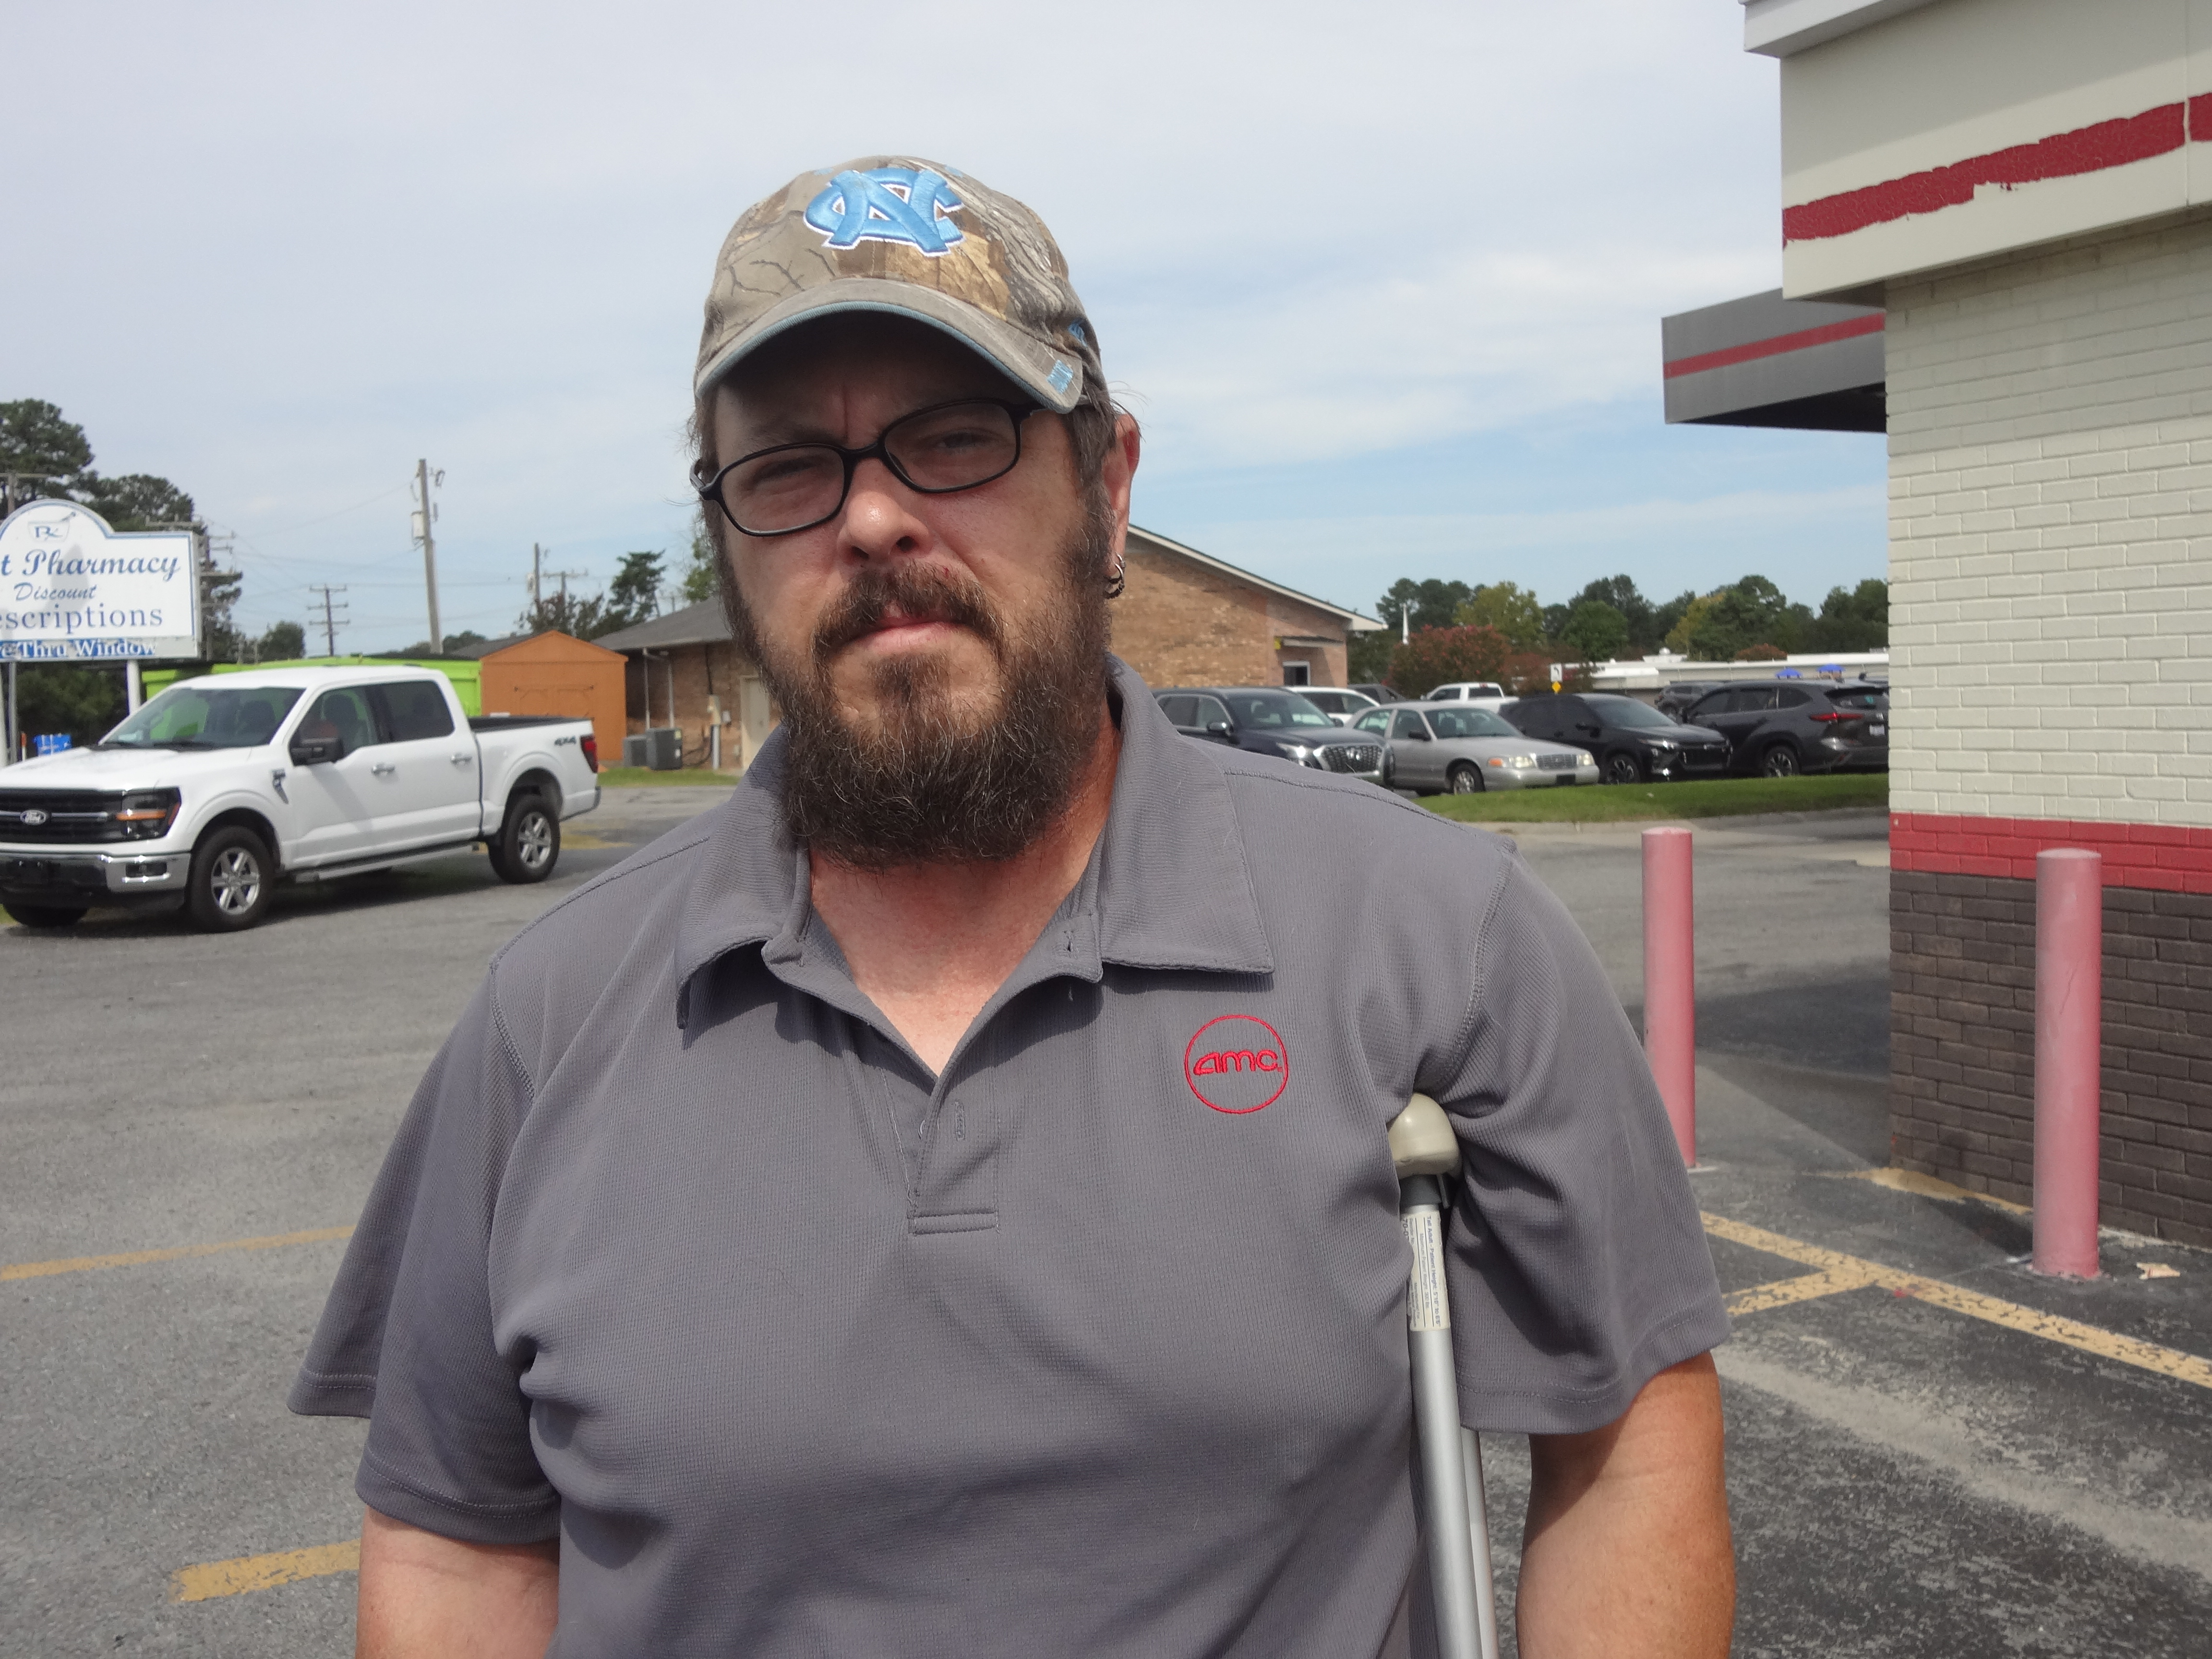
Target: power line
(331, 617)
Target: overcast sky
(1382, 282)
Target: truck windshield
(206, 717)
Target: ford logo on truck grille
(33, 816)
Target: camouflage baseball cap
(892, 233)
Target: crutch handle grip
(1421, 1140)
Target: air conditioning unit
(664, 748)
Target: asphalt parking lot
(1932, 1450)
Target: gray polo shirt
(1094, 1343)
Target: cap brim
(1053, 377)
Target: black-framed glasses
(934, 452)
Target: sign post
(72, 590)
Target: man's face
(996, 548)
(941, 659)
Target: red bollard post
(2070, 1002)
(1670, 981)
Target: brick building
(1184, 618)
(1188, 618)
(682, 671)
(2018, 194)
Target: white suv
(1480, 694)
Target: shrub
(1439, 656)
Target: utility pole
(330, 618)
(425, 519)
(562, 577)
(537, 576)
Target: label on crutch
(1426, 1308)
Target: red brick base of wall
(1962, 1045)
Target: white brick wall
(2051, 533)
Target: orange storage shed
(556, 673)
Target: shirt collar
(1169, 887)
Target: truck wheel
(529, 843)
(232, 874)
(45, 916)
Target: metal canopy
(1765, 360)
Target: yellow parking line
(1784, 1291)
(258, 1573)
(1928, 1186)
(80, 1264)
(2090, 1339)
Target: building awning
(1765, 360)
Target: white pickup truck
(224, 785)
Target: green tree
(41, 451)
(567, 613)
(1690, 623)
(1412, 605)
(281, 642)
(1855, 619)
(1367, 657)
(1438, 656)
(137, 501)
(634, 596)
(1732, 619)
(698, 582)
(1667, 616)
(1514, 610)
(1622, 594)
(84, 700)
(1595, 631)
(454, 645)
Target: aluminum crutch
(1453, 1523)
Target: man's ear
(1117, 472)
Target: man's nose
(880, 518)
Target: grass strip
(629, 777)
(1714, 797)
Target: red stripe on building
(1824, 334)
(2063, 156)
(2158, 856)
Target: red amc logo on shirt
(1237, 1064)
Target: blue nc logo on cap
(888, 204)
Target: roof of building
(702, 623)
(1355, 623)
(482, 648)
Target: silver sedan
(1433, 750)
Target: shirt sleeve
(1576, 1260)
(406, 1337)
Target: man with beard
(938, 1203)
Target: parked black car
(1271, 722)
(1632, 740)
(1781, 728)
(1675, 699)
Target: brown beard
(926, 783)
